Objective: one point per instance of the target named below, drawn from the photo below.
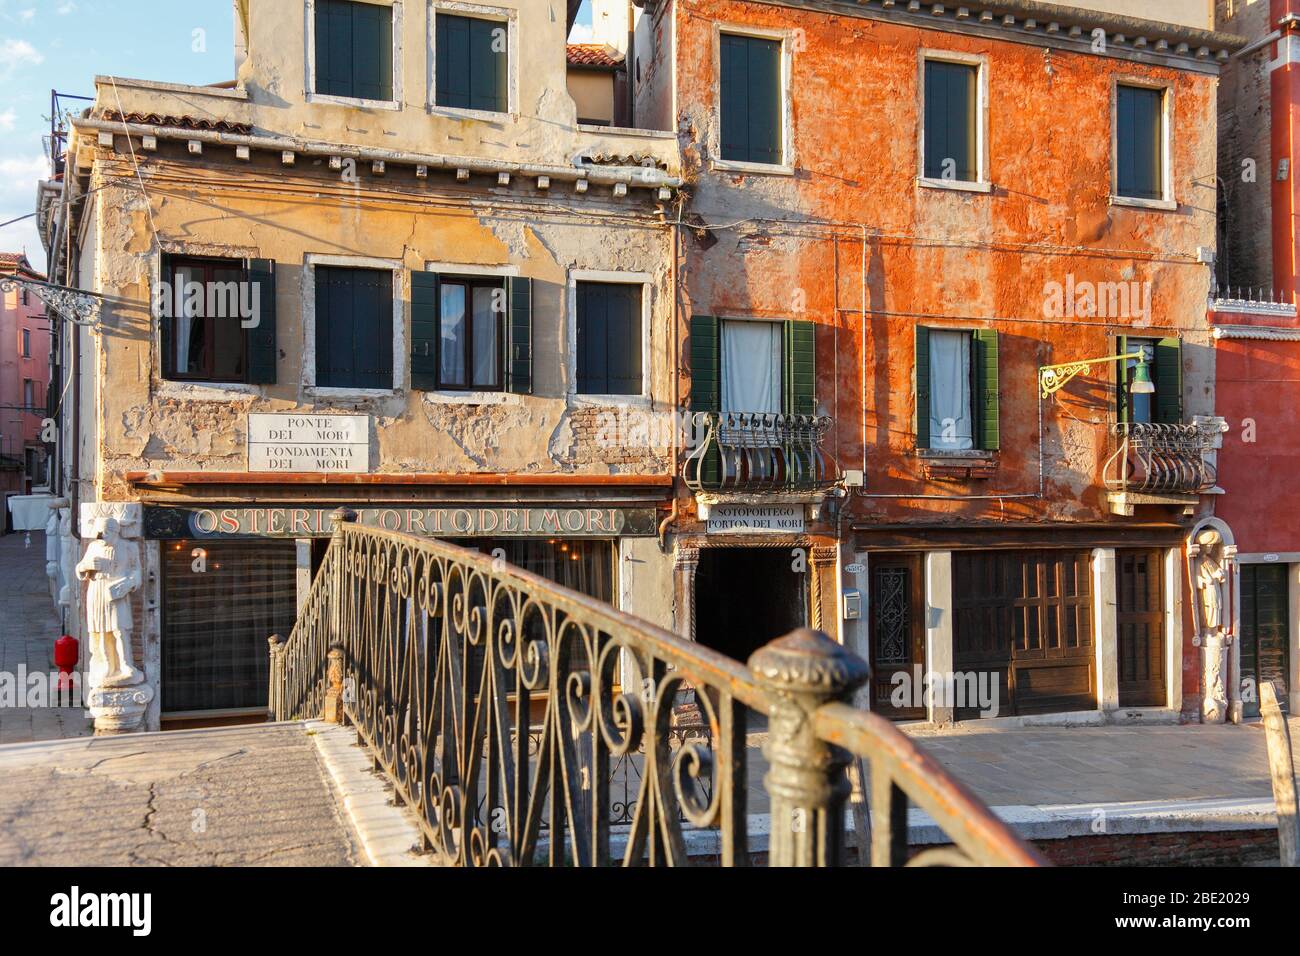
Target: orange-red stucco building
(899, 218)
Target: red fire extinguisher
(67, 650)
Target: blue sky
(65, 44)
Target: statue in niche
(1211, 574)
(112, 566)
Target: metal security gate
(897, 636)
(1140, 620)
(1265, 631)
(1023, 621)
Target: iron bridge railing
(1158, 458)
(439, 657)
(756, 452)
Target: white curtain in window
(950, 388)
(751, 366)
(485, 336)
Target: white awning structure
(30, 512)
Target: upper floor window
(26, 300)
(957, 392)
(29, 394)
(1140, 143)
(1164, 363)
(951, 131)
(750, 99)
(471, 333)
(27, 343)
(609, 325)
(354, 328)
(354, 50)
(753, 367)
(217, 319)
(471, 57)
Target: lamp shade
(1141, 384)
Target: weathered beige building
(392, 237)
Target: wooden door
(896, 613)
(1022, 626)
(1140, 621)
(1265, 632)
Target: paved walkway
(29, 625)
(243, 796)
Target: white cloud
(27, 16)
(581, 33)
(66, 8)
(15, 54)
(8, 119)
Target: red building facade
(24, 380)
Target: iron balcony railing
(757, 452)
(1161, 459)
(498, 704)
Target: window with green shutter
(1139, 142)
(1164, 359)
(519, 335)
(800, 392)
(706, 364)
(751, 99)
(354, 328)
(472, 63)
(609, 329)
(217, 319)
(354, 49)
(260, 336)
(951, 121)
(964, 381)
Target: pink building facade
(24, 381)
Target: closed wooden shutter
(1139, 141)
(609, 339)
(472, 63)
(166, 319)
(950, 121)
(985, 401)
(800, 368)
(424, 331)
(706, 384)
(354, 49)
(921, 373)
(354, 328)
(1168, 373)
(519, 335)
(751, 99)
(260, 340)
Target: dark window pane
(354, 328)
(950, 121)
(751, 99)
(452, 343)
(1139, 140)
(203, 334)
(354, 49)
(215, 622)
(609, 339)
(472, 62)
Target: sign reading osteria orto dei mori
(312, 444)
(464, 522)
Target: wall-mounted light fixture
(1053, 378)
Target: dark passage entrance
(745, 597)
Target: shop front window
(221, 601)
(581, 565)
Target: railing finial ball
(808, 661)
(344, 515)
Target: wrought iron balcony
(1154, 458)
(758, 452)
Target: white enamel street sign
(741, 518)
(315, 444)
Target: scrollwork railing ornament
(755, 452)
(1156, 457)
(503, 709)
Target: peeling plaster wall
(944, 258)
(206, 208)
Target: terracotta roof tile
(594, 55)
(179, 122)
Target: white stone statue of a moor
(112, 566)
(1211, 579)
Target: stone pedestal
(1214, 673)
(118, 710)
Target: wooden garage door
(1140, 620)
(1026, 617)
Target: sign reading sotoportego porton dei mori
(312, 444)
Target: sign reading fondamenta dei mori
(309, 443)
